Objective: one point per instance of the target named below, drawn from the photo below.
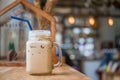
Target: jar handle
(59, 63)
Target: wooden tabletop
(61, 73)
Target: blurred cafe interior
(87, 31)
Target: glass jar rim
(40, 32)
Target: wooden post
(48, 9)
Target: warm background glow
(91, 21)
(110, 21)
(71, 20)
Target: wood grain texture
(61, 73)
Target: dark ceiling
(89, 3)
(85, 3)
(94, 7)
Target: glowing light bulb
(91, 21)
(110, 21)
(71, 20)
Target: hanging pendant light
(71, 19)
(110, 21)
(91, 21)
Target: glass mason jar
(39, 52)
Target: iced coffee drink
(39, 52)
